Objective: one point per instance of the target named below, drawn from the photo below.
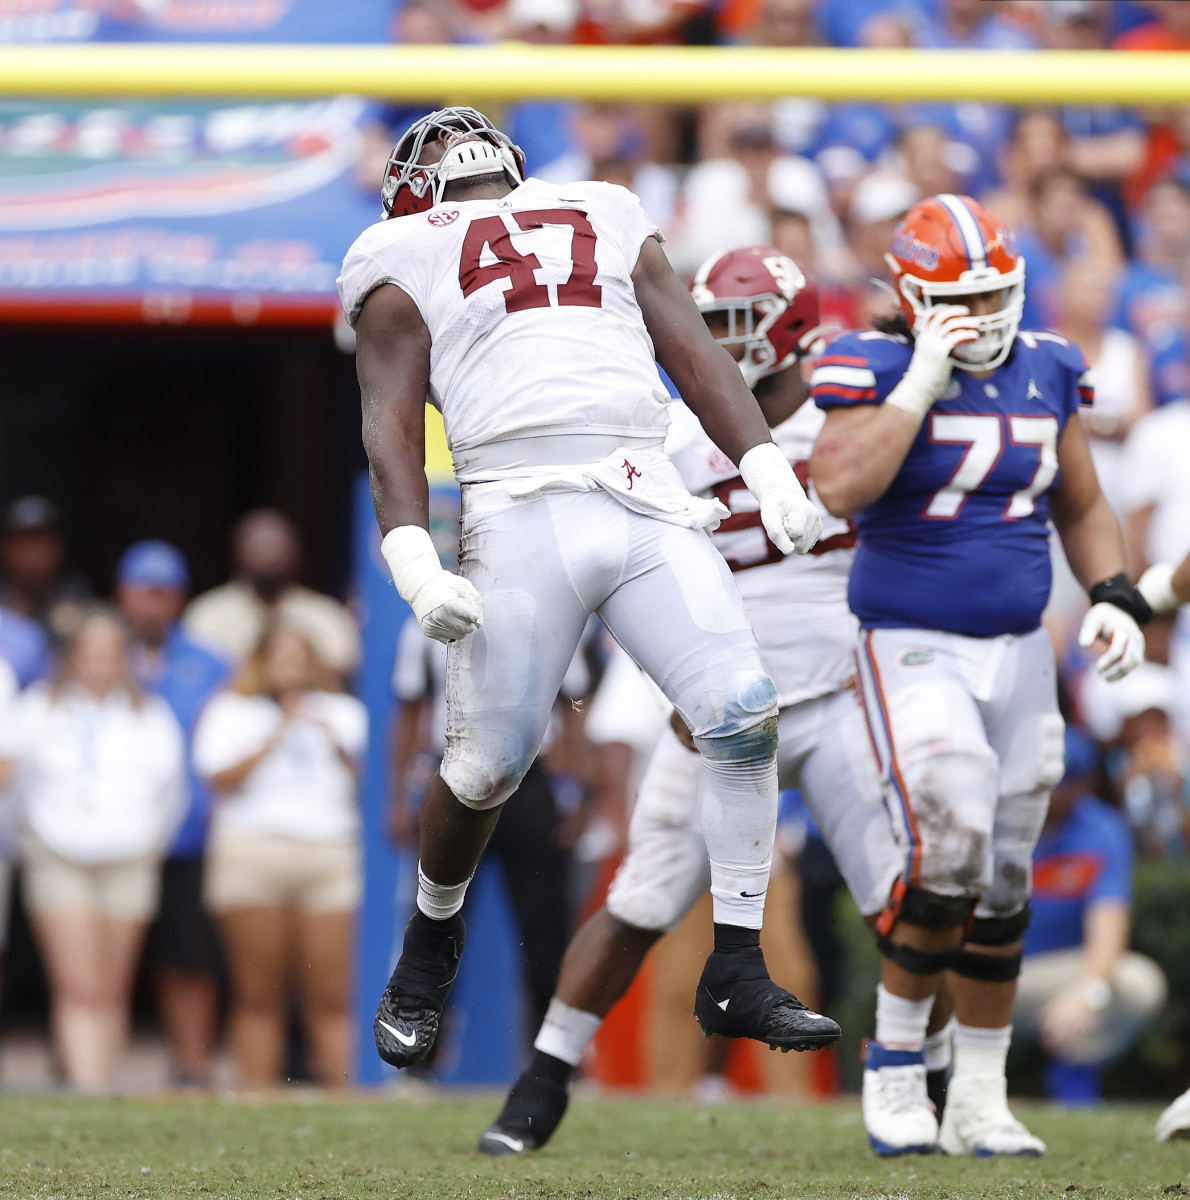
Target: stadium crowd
(180, 773)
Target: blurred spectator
(1152, 302)
(970, 25)
(850, 22)
(645, 22)
(34, 580)
(608, 143)
(152, 583)
(527, 841)
(1119, 370)
(1065, 223)
(1148, 765)
(10, 821)
(24, 646)
(1157, 486)
(543, 128)
(1082, 993)
(98, 768)
(1107, 143)
(1170, 30)
(266, 556)
(730, 201)
(283, 859)
(929, 160)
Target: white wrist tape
(764, 467)
(1156, 586)
(412, 559)
(911, 396)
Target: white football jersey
(531, 310)
(797, 603)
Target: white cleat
(1174, 1122)
(898, 1114)
(977, 1122)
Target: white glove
(1156, 586)
(446, 605)
(1125, 642)
(936, 333)
(789, 518)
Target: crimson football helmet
(771, 306)
(474, 147)
(950, 247)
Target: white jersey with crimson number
(797, 603)
(531, 309)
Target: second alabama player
(758, 304)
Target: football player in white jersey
(533, 316)
(759, 304)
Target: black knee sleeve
(993, 931)
(1000, 931)
(928, 910)
(916, 962)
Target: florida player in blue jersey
(952, 479)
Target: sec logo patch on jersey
(443, 218)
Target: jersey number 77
(983, 434)
(492, 234)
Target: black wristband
(1123, 595)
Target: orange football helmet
(948, 248)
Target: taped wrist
(911, 396)
(1118, 591)
(764, 468)
(412, 559)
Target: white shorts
(542, 566)
(970, 744)
(823, 749)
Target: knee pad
(992, 931)
(927, 910)
(482, 780)
(746, 716)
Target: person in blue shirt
(952, 479)
(24, 646)
(1083, 994)
(152, 585)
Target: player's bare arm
(1088, 528)
(392, 361)
(393, 364)
(710, 382)
(1094, 548)
(858, 454)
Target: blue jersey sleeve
(1072, 369)
(859, 368)
(1114, 882)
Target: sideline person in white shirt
(283, 871)
(97, 767)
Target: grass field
(639, 1149)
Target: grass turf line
(638, 1149)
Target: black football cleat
(534, 1109)
(736, 998)
(410, 1010)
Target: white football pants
(541, 566)
(823, 749)
(970, 744)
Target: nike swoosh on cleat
(514, 1144)
(406, 1039)
(723, 1003)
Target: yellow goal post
(664, 74)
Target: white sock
(738, 796)
(439, 900)
(899, 1022)
(938, 1047)
(981, 1052)
(566, 1032)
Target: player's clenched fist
(791, 521)
(446, 605)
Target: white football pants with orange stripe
(970, 744)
